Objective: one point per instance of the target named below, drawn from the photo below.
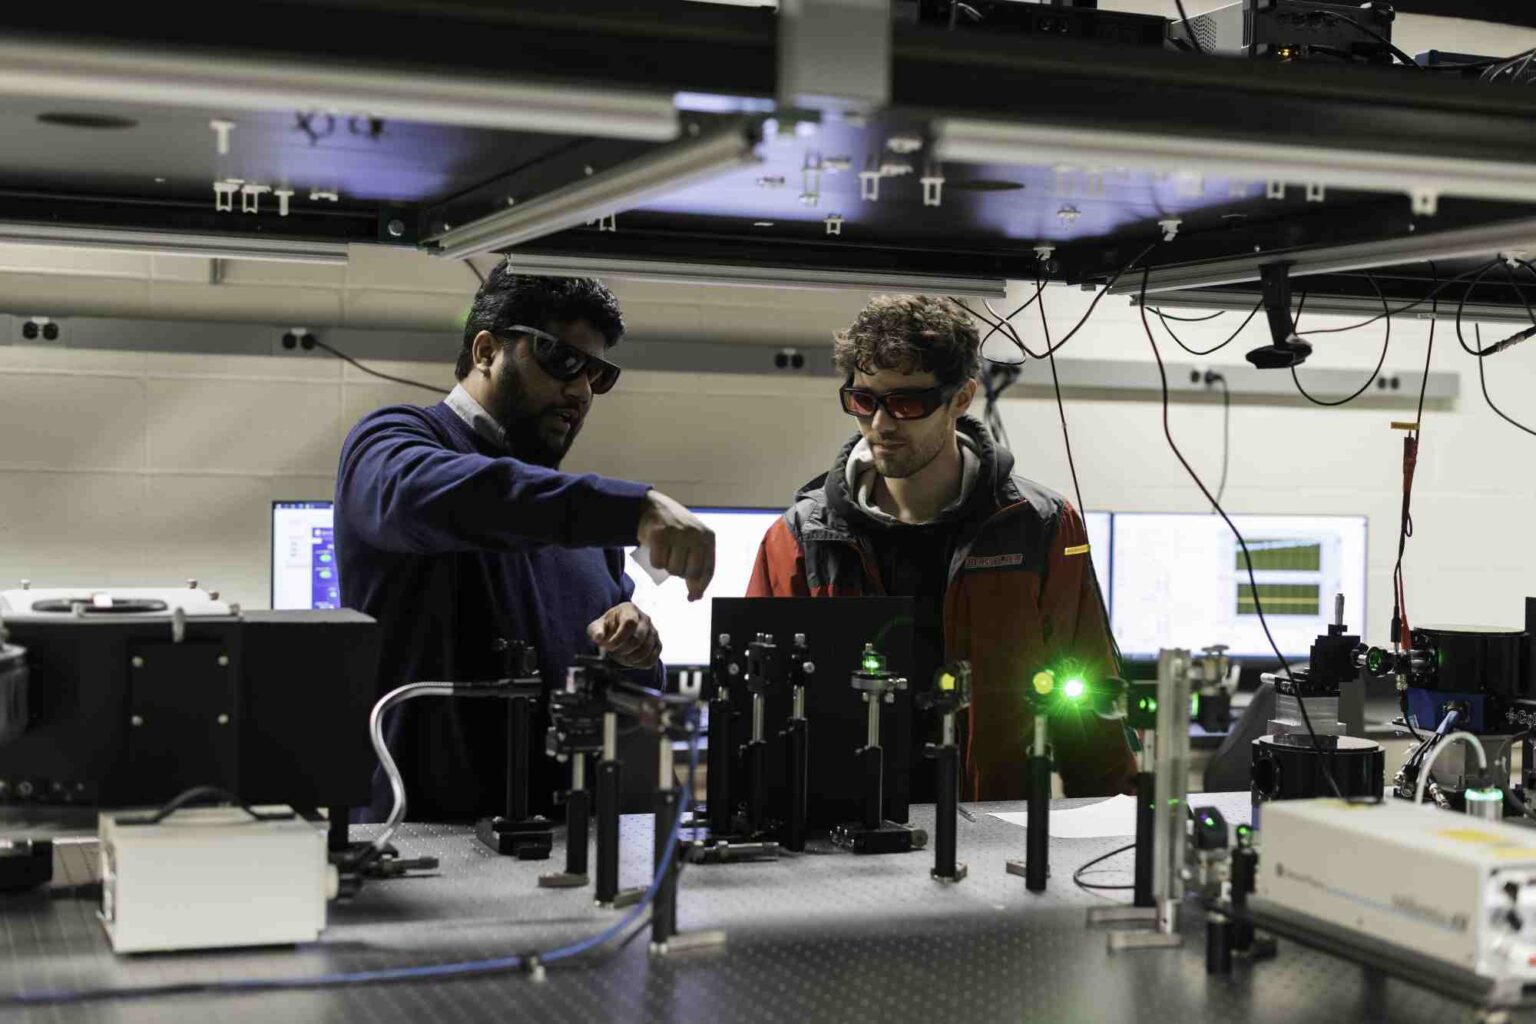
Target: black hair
(508, 298)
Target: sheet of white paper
(1113, 817)
(641, 556)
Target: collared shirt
(473, 413)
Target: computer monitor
(304, 556)
(684, 625)
(1179, 580)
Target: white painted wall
(133, 467)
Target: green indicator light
(1194, 704)
(1484, 795)
(1073, 689)
(872, 664)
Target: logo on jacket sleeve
(993, 561)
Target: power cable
(1190, 319)
(1000, 322)
(1004, 324)
(1077, 876)
(1205, 352)
(1386, 342)
(1323, 759)
(1212, 377)
(1400, 310)
(1367, 30)
(1188, 28)
(475, 270)
(1061, 409)
(317, 343)
(1482, 379)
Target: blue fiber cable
(465, 968)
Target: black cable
(1482, 379)
(1077, 876)
(375, 373)
(1400, 310)
(1190, 319)
(1362, 27)
(1461, 306)
(998, 322)
(1386, 342)
(1061, 410)
(1323, 759)
(995, 379)
(1226, 427)
(1188, 28)
(1207, 351)
(471, 265)
(204, 794)
(1004, 324)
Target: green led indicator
(1073, 689)
(1194, 704)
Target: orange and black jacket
(1021, 597)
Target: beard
(909, 459)
(532, 434)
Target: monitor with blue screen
(303, 556)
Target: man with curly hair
(922, 502)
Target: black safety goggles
(913, 404)
(566, 362)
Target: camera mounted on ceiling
(1286, 349)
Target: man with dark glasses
(923, 503)
(456, 530)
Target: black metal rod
(336, 833)
(1142, 894)
(1218, 944)
(664, 906)
(872, 764)
(519, 725)
(947, 776)
(797, 743)
(757, 785)
(578, 809)
(1245, 862)
(1037, 829)
(607, 831)
(718, 762)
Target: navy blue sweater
(450, 544)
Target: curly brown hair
(910, 334)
